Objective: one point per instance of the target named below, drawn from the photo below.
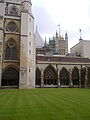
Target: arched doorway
(50, 76)
(64, 77)
(75, 76)
(38, 77)
(10, 77)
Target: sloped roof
(39, 40)
(63, 59)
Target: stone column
(80, 77)
(0, 69)
(22, 78)
(70, 78)
(0, 75)
(58, 77)
(86, 78)
(1, 53)
(42, 79)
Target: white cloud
(71, 14)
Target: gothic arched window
(14, 11)
(12, 27)
(38, 77)
(50, 76)
(8, 52)
(10, 77)
(14, 53)
(11, 50)
(75, 76)
(64, 76)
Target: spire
(66, 36)
(80, 35)
(59, 30)
(66, 42)
(56, 34)
(53, 37)
(39, 40)
(45, 44)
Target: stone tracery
(13, 10)
(12, 27)
(11, 50)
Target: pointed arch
(9, 66)
(75, 76)
(10, 77)
(11, 40)
(50, 76)
(64, 76)
(11, 50)
(38, 77)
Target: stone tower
(61, 44)
(27, 51)
(17, 37)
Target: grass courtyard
(45, 104)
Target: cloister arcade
(51, 76)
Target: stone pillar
(42, 79)
(86, 78)
(0, 68)
(70, 78)
(80, 77)
(58, 77)
(0, 74)
(1, 51)
(27, 51)
(23, 78)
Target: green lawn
(45, 104)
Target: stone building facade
(18, 45)
(62, 72)
(57, 45)
(20, 66)
(82, 48)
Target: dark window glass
(75, 76)
(14, 53)
(8, 53)
(10, 77)
(12, 27)
(50, 76)
(64, 77)
(11, 51)
(38, 77)
(14, 11)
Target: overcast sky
(72, 15)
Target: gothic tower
(18, 56)
(27, 50)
